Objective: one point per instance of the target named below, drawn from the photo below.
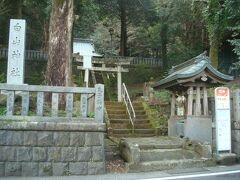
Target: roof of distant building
(191, 70)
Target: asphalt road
(208, 173)
(227, 175)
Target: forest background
(172, 31)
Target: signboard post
(223, 120)
(86, 49)
(16, 49)
(87, 64)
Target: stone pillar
(99, 103)
(119, 83)
(198, 102)
(16, 51)
(173, 104)
(190, 100)
(205, 101)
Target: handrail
(129, 106)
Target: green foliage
(87, 18)
(59, 2)
(110, 84)
(4, 8)
(2, 78)
(91, 115)
(36, 14)
(78, 79)
(236, 44)
(157, 119)
(140, 74)
(173, 34)
(163, 96)
(3, 111)
(233, 11)
(216, 20)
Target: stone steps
(134, 135)
(136, 131)
(111, 149)
(137, 121)
(118, 116)
(141, 116)
(117, 111)
(120, 124)
(160, 153)
(128, 125)
(170, 164)
(140, 112)
(162, 142)
(167, 154)
(122, 107)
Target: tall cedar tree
(59, 66)
(60, 36)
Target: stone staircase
(119, 124)
(163, 153)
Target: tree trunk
(123, 36)
(59, 67)
(46, 36)
(60, 47)
(19, 9)
(164, 41)
(213, 54)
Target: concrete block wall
(51, 149)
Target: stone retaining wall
(51, 149)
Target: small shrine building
(189, 83)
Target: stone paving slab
(151, 142)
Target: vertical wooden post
(119, 83)
(205, 101)
(99, 102)
(198, 102)
(190, 101)
(173, 104)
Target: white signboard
(16, 49)
(223, 121)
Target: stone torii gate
(109, 64)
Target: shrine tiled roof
(191, 68)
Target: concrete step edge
(170, 164)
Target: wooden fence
(37, 95)
(33, 55)
(29, 55)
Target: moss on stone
(157, 120)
